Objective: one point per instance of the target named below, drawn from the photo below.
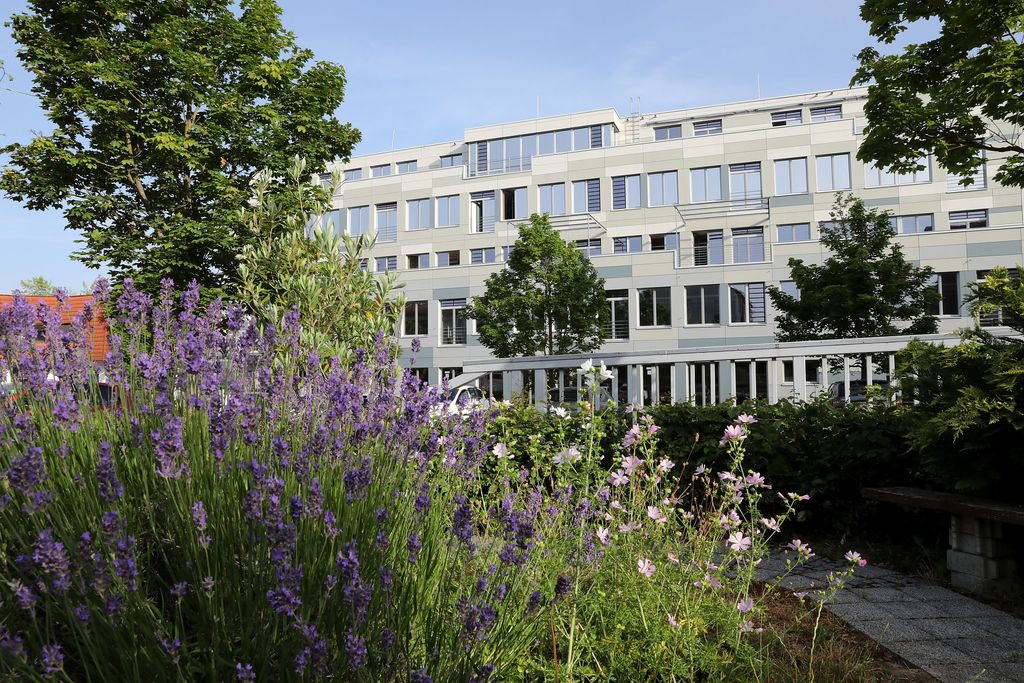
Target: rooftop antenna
(393, 132)
(758, 85)
(538, 106)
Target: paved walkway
(952, 637)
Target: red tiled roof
(97, 332)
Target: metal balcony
(737, 206)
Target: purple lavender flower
(12, 644)
(355, 651)
(82, 614)
(462, 523)
(53, 659)
(110, 488)
(172, 646)
(420, 676)
(413, 546)
(52, 559)
(244, 672)
(179, 590)
(563, 586)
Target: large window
(786, 118)
(418, 214)
(384, 264)
(833, 172)
(407, 166)
(655, 306)
(830, 113)
(955, 183)
(712, 127)
(961, 220)
(618, 322)
(876, 177)
(626, 192)
(589, 247)
(453, 322)
(948, 286)
(415, 261)
(746, 302)
(451, 160)
(483, 255)
(358, 220)
(663, 188)
(416, 318)
(747, 245)
(702, 305)
(552, 199)
(352, 174)
(708, 248)
(586, 196)
(513, 203)
(789, 287)
(482, 206)
(449, 258)
(910, 225)
(448, 211)
(794, 232)
(668, 241)
(791, 176)
(380, 171)
(627, 245)
(668, 132)
(745, 184)
(706, 184)
(387, 222)
(512, 154)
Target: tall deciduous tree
(163, 113)
(956, 95)
(548, 300)
(865, 288)
(37, 286)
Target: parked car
(858, 390)
(465, 396)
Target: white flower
(560, 411)
(568, 456)
(587, 367)
(500, 451)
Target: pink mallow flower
(732, 433)
(631, 436)
(854, 557)
(655, 513)
(604, 535)
(665, 465)
(645, 567)
(801, 547)
(672, 621)
(739, 542)
(745, 606)
(500, 451)
(618, 478)
(771, 523)
(630, 464)
(745, 419)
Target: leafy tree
(37, 286)
(866, 288)
(548, 300)
(163, 112)
(295, 264)
(970, 397)
(956, 95)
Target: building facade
(688, 215)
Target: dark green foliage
(162, 113)
(865, 288)
(943, 95)
(548, 300)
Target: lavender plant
(241, 513)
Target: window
(482, 208)
(787, 118)
(332, 222)
(552, 199)
(586, 196)
(876, 177)
(708, 248)
(448, 374)
(364, 264)
(353, 174)
(618, 322)
(668, 132)
(626, 192)
(655, 306)
(406, 166)
(420, 373)
(414, 261)
(794, 232)
(668, 241)
(826, 227)
(833, 172)
(448, 258)
(387, 222)
(746, 302)
(830, 113)
(812, 371)
(451, 161)
(485, 255)
(702, 305)
(712, 127)
(747, 245)
(415, 321)
(505, 253)
(960, 220)
(791, 176)
(453, 322)
(789, 288)
(745, 184)
(976, 182)
(909, 225)
(627, 245)
(419, 214)
(948, 285)
(513, 203)
(358, 220)
(590, 247)
(380, 171)
(448, 211)
(663, 188)
(706, 184)
(383, 264)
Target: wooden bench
(982, 557)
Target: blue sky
(422, 72)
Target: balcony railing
(728, 207)
(723, 256)
(616, 330)
(451, 336)
(500, 166)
